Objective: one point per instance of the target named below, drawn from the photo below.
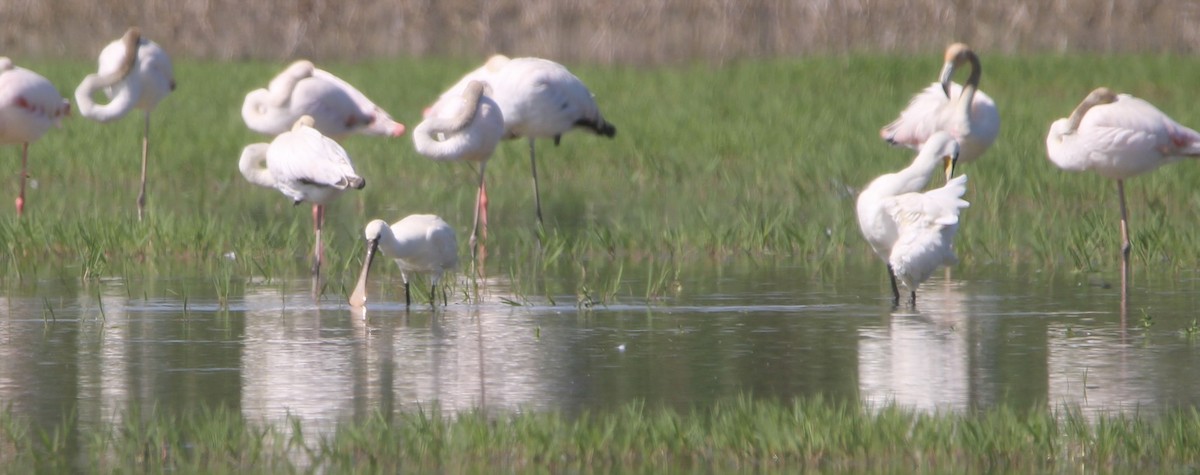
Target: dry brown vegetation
(597, 31)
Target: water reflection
(920, 356)
(101, 348)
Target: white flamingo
(29, 106)
(1118, 137)
(539, 99)
(337, 108)
(305, 166)
(965, 112)
(464, 129)
(879, 205)
(135, 73)
(418, 243)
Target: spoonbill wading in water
(337, 108)
(465, 129)
(1119, 136)
(912, 231)
(538, 99)
(135, 73)
(305, 166)
(29, 106)
(965, 112)
(418, 243)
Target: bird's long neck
(1081, 110)
(469, 106)
(967, 97)
(125, 99)
(253, 163)
(279, 91)
(443, 138)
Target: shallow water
(1002, 336)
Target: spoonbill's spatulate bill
(418, 243)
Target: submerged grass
(758, 159)
(735, 434)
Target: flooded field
(974, 341)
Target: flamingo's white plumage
(418, 243)
(29, 106)
(135, 73)
(467, 128)
(304, 165)
(337, 108)
(877, 212)
(1119, 136)
(538, 98)
(965, 112)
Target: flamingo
(466, 129)
(304, 165)
(884, 207)
(135, 73)
(1119, 136)
(418, 243)
(337, 108)
(538, 99)
(967, 113)
(29, 105)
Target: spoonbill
(418, 243)
(1119, 136)
(967, 113)
(337, 108)
(464, 129)
(135, 73)
(882, 213)
(305, 166)
(29, 106)
(538, 98)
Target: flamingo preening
(963, 111)
(29, 106)
(135, 73)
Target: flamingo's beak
(945, 77)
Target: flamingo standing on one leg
(879, 225)
(539, 99)
(1119, 136)
(337, 108)
(305, 166)
(29, 106)
(418, 243)
(965, 112)
(135, 73)
(465, 129)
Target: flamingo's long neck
(967, 97)
(252, 164)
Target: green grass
(734, 434)
(756, 159)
